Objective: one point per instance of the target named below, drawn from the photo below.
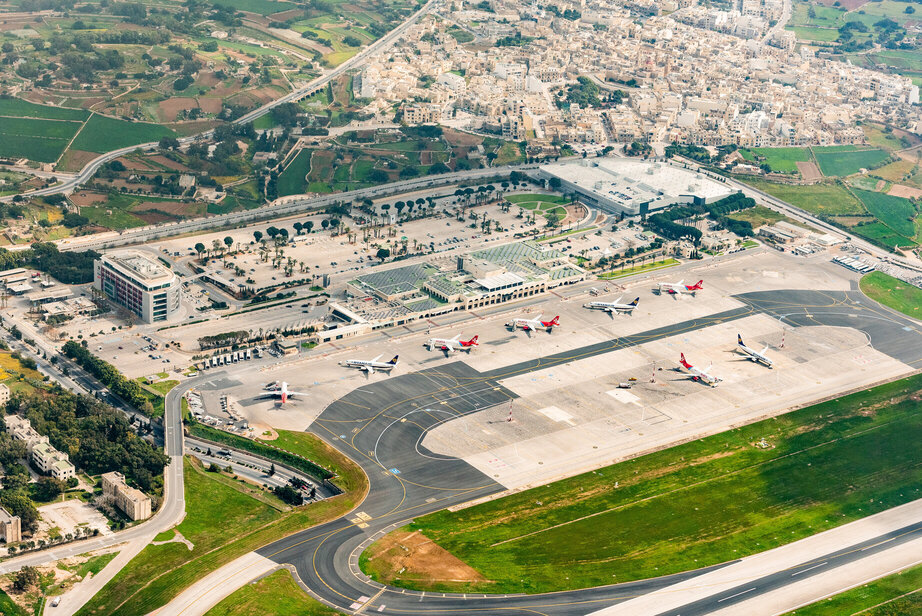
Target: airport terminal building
(139, 283)
(633, 187)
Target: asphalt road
(382, 424)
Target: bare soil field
(75, 160)
(85, 197)
(153, 218)
(413, 556)
(284, 15)
(809, 171)
(901, 190)
(167, 110)
(209, 80)
(168, 207)
(209, 104)
(458, 138)
(169, 164)
(136, 165)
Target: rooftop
(139, 266)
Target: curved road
(382, 425)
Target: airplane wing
(369, 369)
(618, 301)
(298, 393)
(762, 353)
(456, 338)
(378, 357)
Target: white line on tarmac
(809, 568)
(736, 595)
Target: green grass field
(103, 134)
(637, 269)
(223, 522)
(895, 212)
(882, 235)
(261, 7)
(532, 197)
(8, 608)
(846, 162)
(292, 180)
(276, 594)
(700, 503)
(808, 33)
(758, 215)
(824, 199)
(892, 292)
(781, 160)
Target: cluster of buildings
(483, 277)
(42, 455)
(698, 75)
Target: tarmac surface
(382, 425)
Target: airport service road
(382, 424)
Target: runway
(381, 425)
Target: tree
(325, 224)
(298, 226)
(383, 253)
(48, 488)
(228, 241)
(309, 225)
(200, 248)
(25, 578)
(257, 235)
(271, 470)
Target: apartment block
(135, 503)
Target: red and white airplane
(282, 392)
(699, 375)
(452, 344)
(529, 325)
(677, 288)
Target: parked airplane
(699, 375)
(677, 288)
(284, 393)
(453, 344)
(756, 356)
(370, 365)
(613, 307)
(529, 325)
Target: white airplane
(453, 344)
(677, 288)
(284, 393)
(699, 375)
(529, 325)
(613, 307)
(756, 356)
(370, 365)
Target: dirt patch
(209, 80)
(153, 218)
(85, 197)
(169, 164)
(168, 109)
(75, 160)
(136, 165)
(264, 432)
(172, 208)
(285, 15)
(210, 105)
(901, 190)
(403, 555)
(851, 221)
(458, 138)
(809, 171)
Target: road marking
(878, 544)
(809, 569)
(422, 595)
(736, 595)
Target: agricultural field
(39, 140)
(292, 180)
(104, 134)
(892, 292)
(845, 160)
(895, 212)
(781, 160)
(580, 532)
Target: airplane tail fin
(284, 397)
(635, 302)
(555, 321)
(739, 340)
(472, 341)
(393, 362)
(683, 361)
(697, 286)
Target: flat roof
(632, 182)
(139, 266)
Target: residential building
(52, 462)
(21, 430)
(139, 283)
(135, 503)
(4, 394)
(10, 528)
